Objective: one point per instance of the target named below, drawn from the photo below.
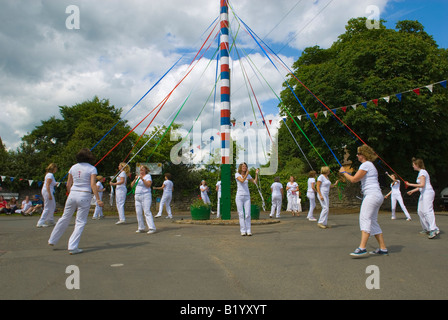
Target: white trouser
(49, 207)
(218, 209)
(243, 207)
(325, 204)
(292, 202)
(120, 199)
(425, 210)
(165, 201)
(276, 206)
(143, 206)
(312, 197)
(368, 216)
(79, 202)
(98, 210)
(397, 197)
(205, 198)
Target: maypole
(225, 114)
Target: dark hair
(168, 176)
(85, 155)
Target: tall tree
(366, 64)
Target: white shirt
(141, 188)
(292, 187)
(204, 190)
(100, 187)
(122, 186)
(427, 185)
(276, 188)
(325, 185)
(395, 187)
(369, 183)
(26, 205)
(81, 173)
(218, 184)
(310, 183)
(49, 176)
(168, 189)
(242, 187)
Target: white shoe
(140, 231)
(121, 222)
(158, 216)
(151, 231)
(312, 219)
(75, 251)
(169, 217)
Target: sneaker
(243, 234)
(408, 219)
(249, 234)
(120, 222)
(312, 219)
(140, 231)
(322, 226)
(75, 251)
(380, 252)
(424, 232)
(358, 253)
(151, 231)
(433, 234)
(158, 216)
(41, 226)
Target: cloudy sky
(122, 48)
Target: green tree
(365, 64)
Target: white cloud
(123, 47)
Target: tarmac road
(289, 260)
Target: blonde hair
(324, 170)
(418, 162)
(367, 152)
(51, 167)
(240, 167)
(312, 174)
(99, 178)
(146, 168)
(125, 167)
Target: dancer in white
(242, 198)
(323, 187)
(425, 208)
(98, 213)
(218, 190)
(168, 188)
(371, 203)
(204, 192)
(80, 183)
(277, 197)
(47, 217)
(311, 195)
(292, 193)
(143, 200)
(396, 196)
(120, 191)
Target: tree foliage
(365, 64)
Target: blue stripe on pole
(225, 97)
(225, 75)
(225, 144)
(225, 121)
(224, 53)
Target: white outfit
(311, 195)
(276, 197)
(78, 200)
(396, 196)
(166, 198)
(325, 203)
(204, 194)
(98, 210)
(25, 205)
(120, 196)
(292, 195)
(49, 205)
(242, 201)
(143, 200)
(372, 200)
(425, 208)
(218, 213)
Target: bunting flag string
(399, 96)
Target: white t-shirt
(122, 186)
(325, 185)
(168, 189)
(81, 173)
(26, 205)
(242, 187)
(369, 183)
(395, 187)
(428, 185)
(310, 187)
(141, 188)
(276, 188)
(292, 188)
(53, 182)
(204, 190)
(218, 184)
(100, 187)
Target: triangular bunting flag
(364, 104)
(443, 84)
(325, 113)
(386, 99)
(354, 106)
(315, 115)
(417, 91)
(344, 109)
(375, 101)
(334, 111)
(430, 87)
(270, 121)
(30, 182)
(398, 95)
(251, 123)
(300, 118)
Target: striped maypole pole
(225, 113)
